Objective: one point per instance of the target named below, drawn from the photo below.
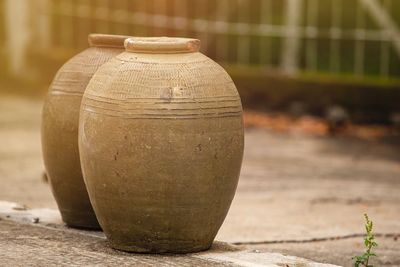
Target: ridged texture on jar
(161, 141)
(73, 77)
(60, 121)
(150, 86)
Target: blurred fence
(351, 37)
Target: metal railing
(356, 37)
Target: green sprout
(369, 243)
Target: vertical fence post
(66, 31)
(243, 55)
(222, 39)
(335, 35)
(265, 42)
(292, 42)
(360, 42)
(103, 16)
(17, 33)
(312, 35)
(43, 30)
(385, 46)
(204, 17)
(181, 17)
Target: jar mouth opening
(107, 40)
(162, 45)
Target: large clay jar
(60, 120)
(161, 142)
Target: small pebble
(35, 220)
(19, 207)
(256, 251)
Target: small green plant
(369, 243)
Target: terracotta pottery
(60, 120)
(161, 142)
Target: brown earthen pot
(60, 119)
(161, 142)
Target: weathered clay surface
(161, 142)
(60, 128)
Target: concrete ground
(298, 195)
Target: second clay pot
(60, 118)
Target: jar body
(161, 141)
(60, 120)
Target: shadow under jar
(161, 141)
(60, 121)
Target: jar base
(80, 221)
(172, 248)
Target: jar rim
(162, 45)
(107, 40)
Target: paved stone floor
(298, 195)
(43, 247)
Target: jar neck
(162, 45)
(107, 40)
